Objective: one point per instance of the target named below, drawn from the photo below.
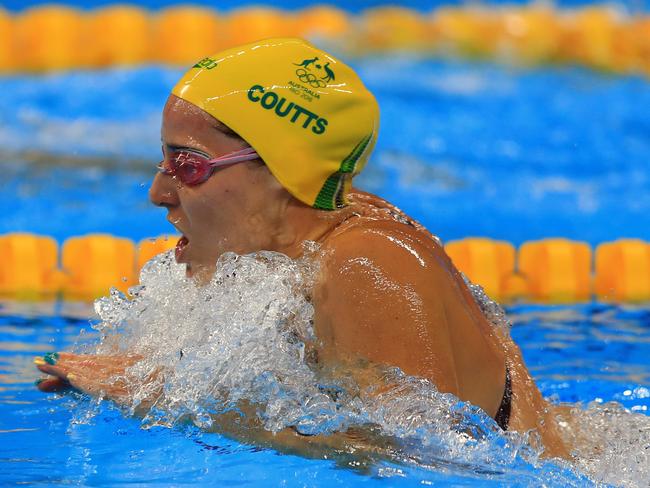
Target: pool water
(467, 149)
(587, 353)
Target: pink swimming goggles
(193, 168)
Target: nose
(163, 191)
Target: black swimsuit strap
(503, 414)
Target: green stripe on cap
(331, 195)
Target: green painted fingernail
(39, 381)
(51, 358)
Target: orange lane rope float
(547, 271)
(55, 37)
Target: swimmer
(251, 163)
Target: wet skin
(387, 293)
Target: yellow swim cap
(307, 114)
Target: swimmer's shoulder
(380, 296)
(364, 250)
(372, 247)
(380, 231)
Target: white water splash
(491, 309)
(245, 337)
(612, 444)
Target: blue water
(467, 149)
(578, 354)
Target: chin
(200, 273)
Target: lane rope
(57, 37)
(553, 270)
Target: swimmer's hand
(100, 376)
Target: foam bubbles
(241, 337)
(245, 339)
(612, 444)
(491, 309)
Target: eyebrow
(174, 148)
(223, 128)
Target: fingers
(62, 362)
(55, 364)
(92, 374)
(52, 384)
(55, 371)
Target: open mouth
(180, 248)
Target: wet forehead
(185, 125)
(178, 114)
(183, 120)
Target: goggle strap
(246, 154)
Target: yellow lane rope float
(547, 271)
(58, 37)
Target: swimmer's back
(391, 295)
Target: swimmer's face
(234, 210)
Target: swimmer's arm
(102, 376)
(244, 426)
